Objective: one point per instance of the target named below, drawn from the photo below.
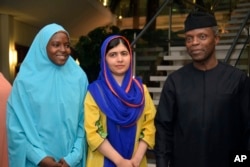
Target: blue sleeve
(78, 151)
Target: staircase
(178, 56)
(231, 27)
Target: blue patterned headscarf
(122, 105)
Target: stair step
(154, 89)
(219, 55)
(230, 41)
(176, 67)
(238, 16)
(231, 34)
(237, 21)
(142, 68)
(218, 47)
(177, 57)
(242, 1)
(154, 49)
(156, 102)
(240, 10)
(232, 28)
(158, 78)
(243, 5)
(168, 67)
(146, 58)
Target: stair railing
(247, 41)
(236, 39)
(136, 37)
(145, 28)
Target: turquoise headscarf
(45, 108)
(123, 105)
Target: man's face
(200, 44)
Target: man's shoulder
(230, 68)
(183, 69)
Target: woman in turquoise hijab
(45, 107)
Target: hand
(135, 162)
(49, 162)
(63, 163)
(125, 163)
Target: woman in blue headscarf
(119, 112)
(45, 107)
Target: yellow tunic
(94, 115)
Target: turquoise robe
(45, 108)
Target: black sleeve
(245, 106)
(164, 124)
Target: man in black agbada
(203, 112)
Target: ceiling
(78, 17)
